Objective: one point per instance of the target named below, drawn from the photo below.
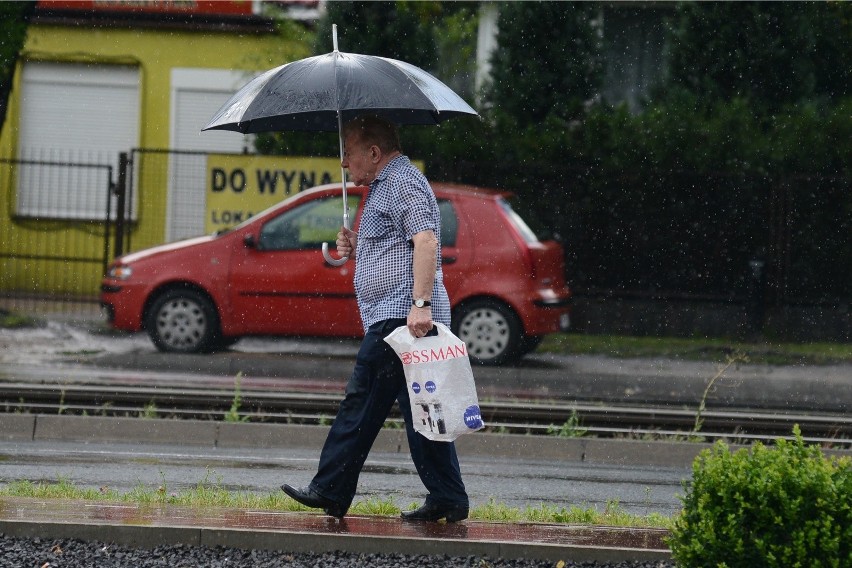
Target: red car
(267, 277)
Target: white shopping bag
(440, 383)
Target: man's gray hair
(372, 130)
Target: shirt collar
(393, 164)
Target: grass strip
(207, 494)
(697, 349)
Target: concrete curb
(153, 536)
(152, 525)
(99, 429)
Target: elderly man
(398, 281)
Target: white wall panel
(73, 113)
(197, 94)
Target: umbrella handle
(331, 260)
(328, 258)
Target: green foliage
(14, 18)
(690, 132)
(742, 151)
(765, 51)
(149, 411)
(12, 320)
(681, 196)
(548, 61)
(702, 405)
(698, 349)
(785, 506)
(399, 30)
(212, 493)
(613, 515)
(375, 506)
(570, 428)
(233, 414)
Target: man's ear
(375, 154)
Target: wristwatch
(421, 303)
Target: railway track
(534, 416)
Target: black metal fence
(694, 253)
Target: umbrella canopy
(320, 93)
(307, 95)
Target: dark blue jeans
(376, 382)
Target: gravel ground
(67, 553)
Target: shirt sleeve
(414, 209)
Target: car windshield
(248, 220)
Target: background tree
(743, 150)
(399, 30)
(14, 18)
(548, 61)
(773, 53)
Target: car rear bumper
(555, 303)
(549, 312)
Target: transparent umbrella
(321, 93)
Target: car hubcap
(181, 323)
(486, 333)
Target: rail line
(534, 416)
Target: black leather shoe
(310, 498)
(433, 513)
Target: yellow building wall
(28, 245)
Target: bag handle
(441, 329)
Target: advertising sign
(238, 186)
(218, 7)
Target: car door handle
(448, 259)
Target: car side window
(306, 226)
(449, 223)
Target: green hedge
(785, 507)
(678, 199)
(675, 200)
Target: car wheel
(491, 331)
(182, 321)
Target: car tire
(183, 321)
(491, 330)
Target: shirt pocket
(374, 225)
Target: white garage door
(197, 94)
(72, 113)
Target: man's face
(358, 158)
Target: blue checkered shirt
(399, 205)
